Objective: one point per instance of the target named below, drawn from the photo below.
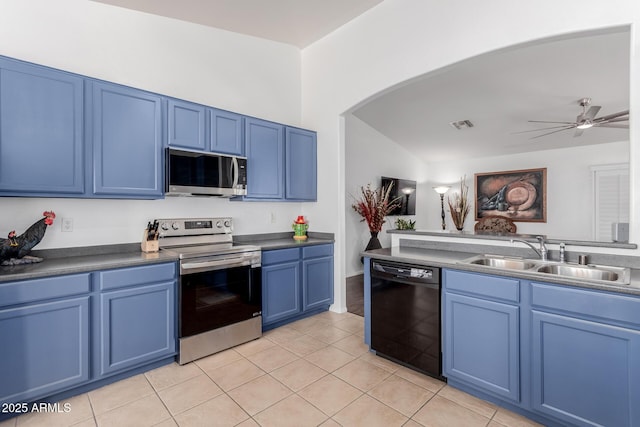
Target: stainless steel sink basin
(601, 273)
(607, 274)
(502, 262)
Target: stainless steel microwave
(191, 173)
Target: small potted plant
(405, 224)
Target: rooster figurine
(14, 249)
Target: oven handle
(196, 267)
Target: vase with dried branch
(374, 205)
(459, 206)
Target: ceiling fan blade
(619, 119)
(611, 116)
(578, 132)
(555, 131)
(592, 112)
(536, 130)
(612, 125)
(543, 121)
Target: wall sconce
(441, 190)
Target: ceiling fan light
(585, 125)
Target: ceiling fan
(585, 120)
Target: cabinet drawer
(26, 291)
(603, 305)
(482, 285)
(317, 251)
(123, 277)
(280, 255)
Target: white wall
(368, 156)
(399, 40)
(239, 73)
(569, 188)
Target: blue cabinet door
(127, 142)
(300, 164)
(264, 148)
(186, 124)
(41, 131)
(137, 325)
(226, 132)
(481, 344)
(584, 372)
(280, 291)
(317, 281)
(45, 349)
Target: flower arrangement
(374, 205)
(459, 207)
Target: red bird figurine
(19, 246)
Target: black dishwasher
(405, 315)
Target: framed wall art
(519, 195)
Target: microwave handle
(235, 171)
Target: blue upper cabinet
(196, 127)
(186, 125)
(127, 142)
(281, 161)
(264, 143)
(300, 164)
(41, 144)
(226, 132)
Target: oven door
(217, 297)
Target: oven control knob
(219, 224)
(227, 223)
(175, 226)
(164, 226)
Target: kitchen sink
(591, 272)
(598, 273)
(502, 262)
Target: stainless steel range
(220, 289)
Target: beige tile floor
(316, 371)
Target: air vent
(461, 124)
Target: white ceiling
(500, 91)
(296, 22)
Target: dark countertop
(85, 259)
(74, 264)
(452, 259)
(272, 241)
(484, 235)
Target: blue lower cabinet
(76, 332)
(561, 355)
(45, 348)
(137, 326)
(585, 355)
(281, 291)
(481, 344)
(296, 282)
(585, 373)
(318, 282)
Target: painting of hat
(520, 195)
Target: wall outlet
(67, 224)
(272, 218)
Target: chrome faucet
(542, 252)
(562, 252)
